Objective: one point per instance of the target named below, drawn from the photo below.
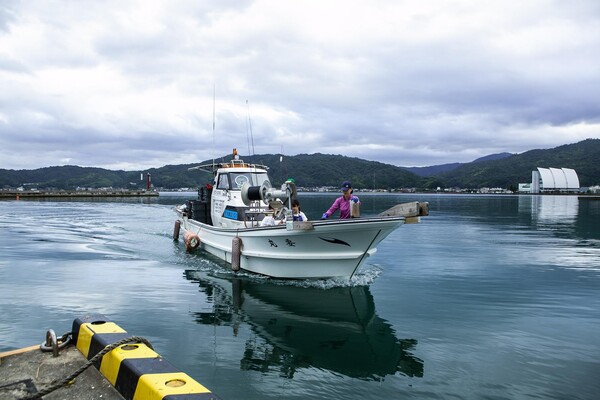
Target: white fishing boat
(226, 222)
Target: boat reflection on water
(335, 329)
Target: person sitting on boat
(269, 219)
(296, 213)
(342, 203)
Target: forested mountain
(435, 170)
(583, 157)
(307, 170)
(313, 170)
(330, 170)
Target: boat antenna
(213, 130)
(248, 129)
(284, 169)
(250, 125)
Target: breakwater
(40, 194)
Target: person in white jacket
(296, 213)
(269, 219)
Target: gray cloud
(119, 85)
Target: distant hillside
(440, 169)
(65, 177)
(72, 177)
(330, 170)
(307, 170)
(497, 156)
(313, 170)
(506, 172)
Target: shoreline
(78, 194)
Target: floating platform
(119, 366)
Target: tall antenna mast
(248, 128)
(250, 125)
(213, 132)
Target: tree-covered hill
(313, 170)
(307, 170)
(583, 157)
(330, 170)
(435, 170)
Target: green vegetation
(582, 157)
(316, 170)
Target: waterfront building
(552, 180)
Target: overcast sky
(129, 84)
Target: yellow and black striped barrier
(134, 369)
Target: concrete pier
(45, 194)
(124, 367)
(26, 373)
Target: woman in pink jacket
(342, 203)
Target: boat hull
(323, 249)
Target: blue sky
(129, 84)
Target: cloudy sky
(129, 84)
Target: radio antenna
(250, 126)
(213, 130)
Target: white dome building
(554, 179)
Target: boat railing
(213, 167)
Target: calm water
(490, 297)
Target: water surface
(488, 297)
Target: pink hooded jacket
(343, 205)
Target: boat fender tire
(176, 230)
(236, 253)
(191, 240)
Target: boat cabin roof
(233, 164)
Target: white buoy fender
(176, 230)
(236, 253)
(191, 240)
(354, 210)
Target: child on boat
(296, 213)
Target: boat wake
(364, 277)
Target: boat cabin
(227, 207)
(239, 196)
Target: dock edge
(135, 370)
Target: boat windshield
(237, 179)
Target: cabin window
(223, 183)
(237, 180)
(258, 179)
